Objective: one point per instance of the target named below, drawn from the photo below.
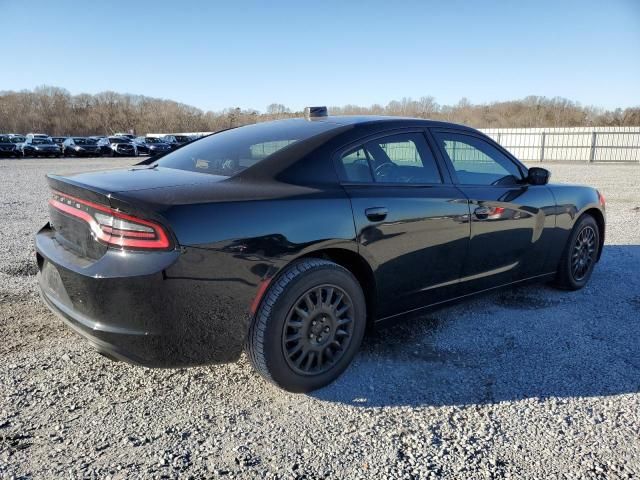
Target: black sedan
(59, 141)
(117, 146)
(39, 147)
(8, 148)
(176, 141)
(81, 147)
(289, 238)
(151, 146)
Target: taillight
(601, 198)
(112, 227)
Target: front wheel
(308, 327)
(580, 255)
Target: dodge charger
(288, 239)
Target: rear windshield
(232, 151)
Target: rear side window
(229, 152)
(476, 161)
(403, 158)
(356, 165)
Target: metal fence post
(592, 154)
(542, 147)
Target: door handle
(482, 212)
(376, 214)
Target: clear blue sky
(248, 54)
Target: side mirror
(538, 176)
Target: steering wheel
(384, 170)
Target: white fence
(580, 144)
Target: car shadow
(529, 342)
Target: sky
(216, 55)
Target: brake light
(601, 198)
(112, 227)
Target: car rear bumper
(129, 309)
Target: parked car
(81, 147)
(8, 148)
(38, 146)
(117, 147)
(37, 135)
(288, 238)
(18, 140)
(176, 141)
(59, 141)
(151, 146)
(125, 135)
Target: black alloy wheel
(318, 330)
(583, 254)
(580, 254)
(308, 326)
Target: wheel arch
(359, 268)
(599, 218)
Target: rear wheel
(580, 255)
(309, 326)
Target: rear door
(511, 221)
(411, 221)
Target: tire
(580, 255)
(303, 353)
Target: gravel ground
(531, 382)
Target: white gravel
(527, 383)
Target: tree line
(55, 111)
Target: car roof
(345, 120)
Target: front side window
(476, 161)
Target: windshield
(152, 140)
(41, 141)
(119, 140)
(17, 139)
(84, 141)
(4, 139)
(58, 139)
(231, 151)
(182, 138)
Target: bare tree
(55, 111)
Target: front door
(511, 221)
